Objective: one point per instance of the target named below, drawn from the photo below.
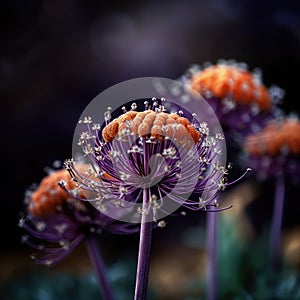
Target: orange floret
(274, 137)
(128, 116)
(150, 123)
(110, 131)
(229, 81)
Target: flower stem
(211, 236)
(142, 272)
(99, 267)
(275, 235)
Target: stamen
(241, 177)
(218, 209)
(162, 224)
(133, 106)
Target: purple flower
(172, 155)
(148, 162)
(275, 150)
(239, 98)
(57, 223)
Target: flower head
(62, 222)
(166, 152)
(275, 150)
(239, 98)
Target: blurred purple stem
(211, 236)
(99, 267)
(275, 235)
(142, 273)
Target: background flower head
(275, 149)
(56, 223)
(239, 98)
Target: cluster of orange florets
(224, 81)
(49, 197)
(274, 137)
(151, 124)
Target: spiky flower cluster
(57, 223)
(170, 154)
(275, 150)
(241, 101)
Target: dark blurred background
(56, 56)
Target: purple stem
(99, 267)
(142, 273)
(211, 236)
(275, 235)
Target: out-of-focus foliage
(243, 271)
(42, 286)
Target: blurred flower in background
(57, 223)
(239, 98)
(274, 151)
(60, 221)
